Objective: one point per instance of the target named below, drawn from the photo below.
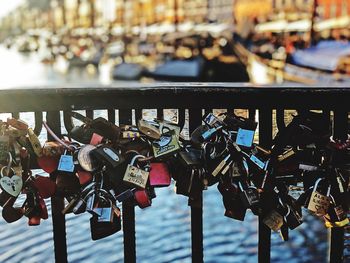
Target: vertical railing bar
(138, 114)
(15, 115)
(90, 114)
(128, 209)
(57, 203)
(251, 114)
(336, 246)
(280, 119)
(195, 119)
(68, 121)
(160, 114)
(265, 140)
(38, 117)
(111, 115)
(181, 118)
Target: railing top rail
(173, 95)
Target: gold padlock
(151, 129)
(274, 220)
(135, 175)
(319, 203)
(34, 141)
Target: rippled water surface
(162, 231)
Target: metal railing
(197, 98)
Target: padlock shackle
(68, 147)
(316, 184)
(2, 171)
(138, 156)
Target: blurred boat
(128, 71)
(306, 71)
(179, 70)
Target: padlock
(159, 175)
(274, 220)
(208, 134)
(319, 203)
(4, 148)
(10, 183)
(105, 154)
(99, 125)
(127, 194)
(85, 159)
(196, 136)
(166, 145)
(53, 149)
(12, 214)
(96, 139)
(104, 208)
(72, 202)
(212, 121)
(18, 124)
(67, 183)
(232, 203)
(35, 142)
(293, 219)
(150, 129)
(84, 177)
(45, 186)
(166, 126)
(101, 230)
(66, 163)
(134, 175)
(15, 133)
(142, 198)
(336, 215)
(249, 196)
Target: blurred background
(261, 41)
(114, 42)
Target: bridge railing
(197, 98)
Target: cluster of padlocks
(100, 165)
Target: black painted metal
(265, 140)
(38, 122)
(57, 203)
(174, 95)
(15, 115)
(111, 115)
(181, 118)
(195, 119)
(336, 246)
(68, 121)
(280, 119)
(128, 209)
(90, 113)
(180, 96)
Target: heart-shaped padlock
(48, 164)
(11, 185)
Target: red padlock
(159, 175)
(96, 139)
(43, 208)
(48, 164)
(84, 177)
(34, 220)
(142, 199)
(45, 186)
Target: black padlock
(232, 202)
(101, 230)
(293, 219)
(249, 196)
(106, 155)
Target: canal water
(163, 230)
